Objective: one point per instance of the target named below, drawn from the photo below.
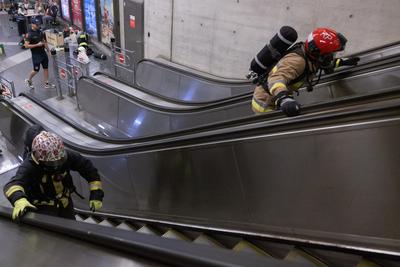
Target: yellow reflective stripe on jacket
(14, 189)
(276, 86)
(274, 69)
(259, 107)
(337, 63)
(95, 185)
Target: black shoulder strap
(297, 48)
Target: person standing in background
(36, 42)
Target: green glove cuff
(21, 206)
(95, 205)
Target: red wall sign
(121, 58)
(132, 21)
(63, 74)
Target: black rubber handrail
(243, 127)
(169, 251)
(239, 121)
(379, 63)
(198, 76)
(354, 244)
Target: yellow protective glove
(21, 206)
(95, 205)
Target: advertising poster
(90, 17)
(77, 13)
(107, 21)
(65, 10)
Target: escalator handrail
(302, 238)
(392, 60)
(212, 126)
(169, 251)
(227, 132)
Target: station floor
(16, 63)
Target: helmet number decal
(326, 36)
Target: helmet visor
(326, 61)
(56, 166)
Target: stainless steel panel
(373, 81)
(335, 180)
(99, 103)
(190, 90)
(174, 84)
(136, 120)
(134, 36)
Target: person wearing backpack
(298, 66)
(43, 182)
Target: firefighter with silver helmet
(43, 181)
(297, 67)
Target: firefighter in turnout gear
(43, 181)
(298, 66)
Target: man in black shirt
(36, 42)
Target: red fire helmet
(323, 41)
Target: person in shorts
(36, 42)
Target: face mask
(325, 61)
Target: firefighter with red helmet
(43, 181)
(298, 66)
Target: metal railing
(123, 59)
(67, 74)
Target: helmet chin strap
(34, 159)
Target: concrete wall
(221, 37)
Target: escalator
(138, 112)
(235, 221)
(49, 241)
(180, 83)
(142, 116)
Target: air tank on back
(272, 52)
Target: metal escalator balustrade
(162, 183)
(137, 117)
(302, 251)
(179, 82)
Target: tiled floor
(16, 65)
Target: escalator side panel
(342, 180)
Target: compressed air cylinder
(274, 50)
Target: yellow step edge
(246, 246)
(301, 256)
(207, 240)
(173, 234)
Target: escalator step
(303, 257)
(91, 220)
(173, 234)
(367, 263)
(125, 226)
(246, 246)
(207, 240)
(106, 223)
(79, 218)
(147, 230)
